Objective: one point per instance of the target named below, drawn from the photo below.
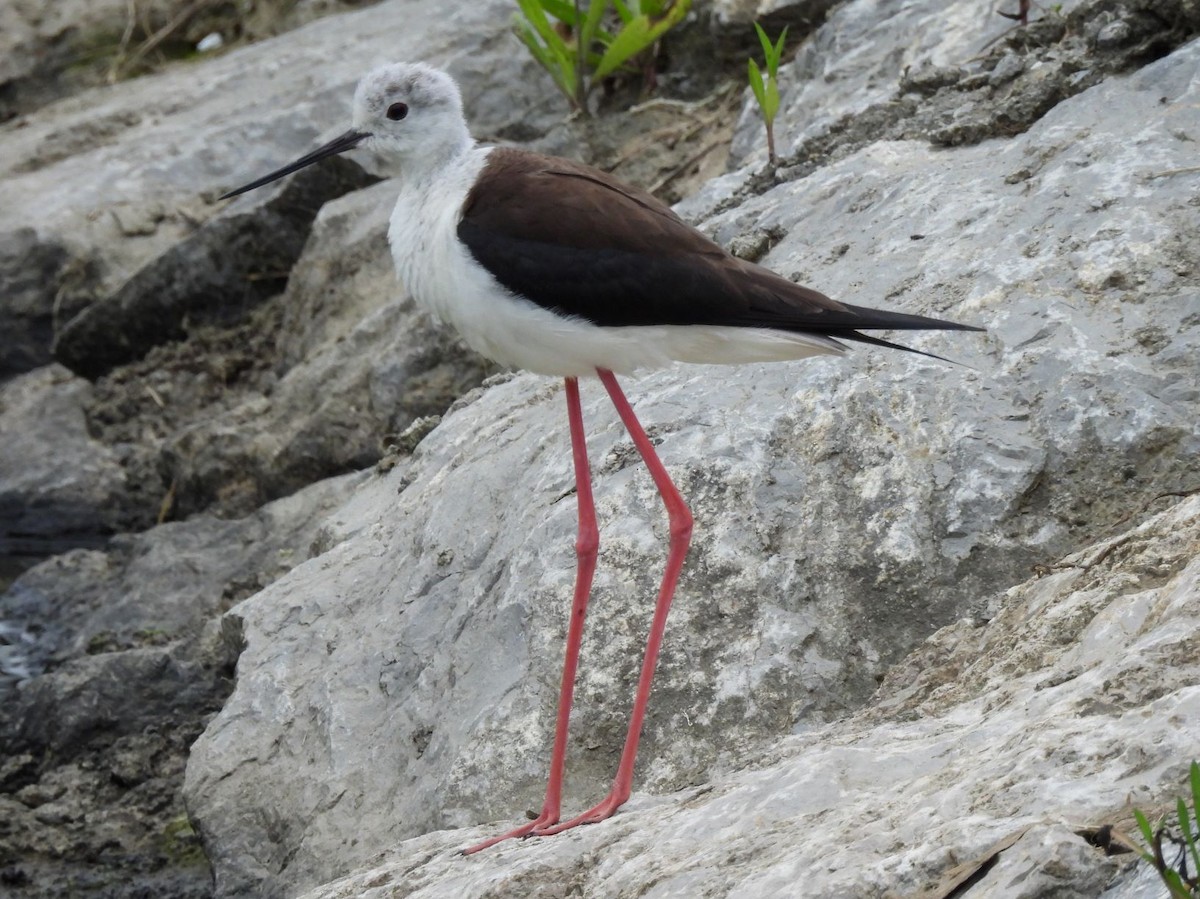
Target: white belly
(444, 278)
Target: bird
(558, 268)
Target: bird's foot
(546, 824)
(594, 815)
(545, 819)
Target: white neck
(436, 153)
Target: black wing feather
(571, 239)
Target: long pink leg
(681, 535)
(586, 547)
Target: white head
(410, 112)
(410, 109)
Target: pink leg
(586, 547)
(681, 535)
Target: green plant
(570, 42)
(1180, 884)
(766, 91)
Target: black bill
(339, 144)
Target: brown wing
(577, 241)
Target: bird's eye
(397, 111)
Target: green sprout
(1179, 883)
(766, 91)
(570, 42)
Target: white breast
(444, 278)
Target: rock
(983, 754)
(835, 101)
(233, 262)
(732, 23)
(39, 290)
(50, 51)
(50, 502)
(1007, 68)
(117, 669)
(845, 508)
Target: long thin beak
(339, 144)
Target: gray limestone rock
(59, 487)
(41, 286)
(983, 756)
(848, 85)
(51, 50)
(118, 668)
(232, 263)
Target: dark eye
(397, 111)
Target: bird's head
(407, 109)
(405, 112)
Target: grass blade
(629, 42)
(591, 23)
(777, 50)
(1189, 836)
(771, 106)
(561, 10)
(1144, 827)
(1195, 779)
(756, 85)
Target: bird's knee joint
(681, 526)
(587, 545)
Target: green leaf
(772, 51)
(777, 53)
(756, 85)
(563, 10)
(763, 40)
(1179, 890)
(536, 17)
(629, 42)
(771, 106)
(591, 24)
(662, 26)
(591, 52)
(1195, 779)
(1189, 836)
(1181, 810)
(551, 53)
(1144, 827)
(536, 48)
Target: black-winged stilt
(556, 267)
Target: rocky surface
(49, 51)
(946, 79)
(218, 275)
(41, 287)
(121, 663)
(402, 679)
(983, 761)
(59, 487)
